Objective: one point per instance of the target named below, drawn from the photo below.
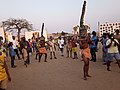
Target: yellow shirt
(3, 75)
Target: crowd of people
(88, 47)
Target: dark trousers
(16, 51)
(28, 58)
(61, 49)
(93, 54)
(12, 60)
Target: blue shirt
(104, 45)
(94, 39)
(11, 51)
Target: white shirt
(15, 43)
(112, 48)
(61, 43)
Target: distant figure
(26, 44)
(52, 48)
(104, 49)
(30, 44)
(25, 55)
(33, 44)
(74, 47)
(69, 47)
(93, 47)
(37, 46)
(61, 45)
(112, 45)
(42, 48)
(15, 47)
(12, 54)
(117, 36)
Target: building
(108, 28)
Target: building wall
(108, 28)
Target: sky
(60, 15)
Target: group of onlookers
(88, 47)
(111, 48)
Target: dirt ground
(63, 74)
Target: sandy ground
(63, 74)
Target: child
(12, 54)
(84, 45)
(25, 55)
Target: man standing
(104, 48)
(112, 45)
(93, 47)
(52, 47)
(117, 36)
(15, 47)
(61, 45)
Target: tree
(16, 24)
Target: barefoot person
(85, 52)
(42, 48)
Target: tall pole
(82, 17)
(83, 14)
(99, 28)
(42, 29)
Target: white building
(108, 28)
(29, 34)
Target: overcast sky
(60, 15)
